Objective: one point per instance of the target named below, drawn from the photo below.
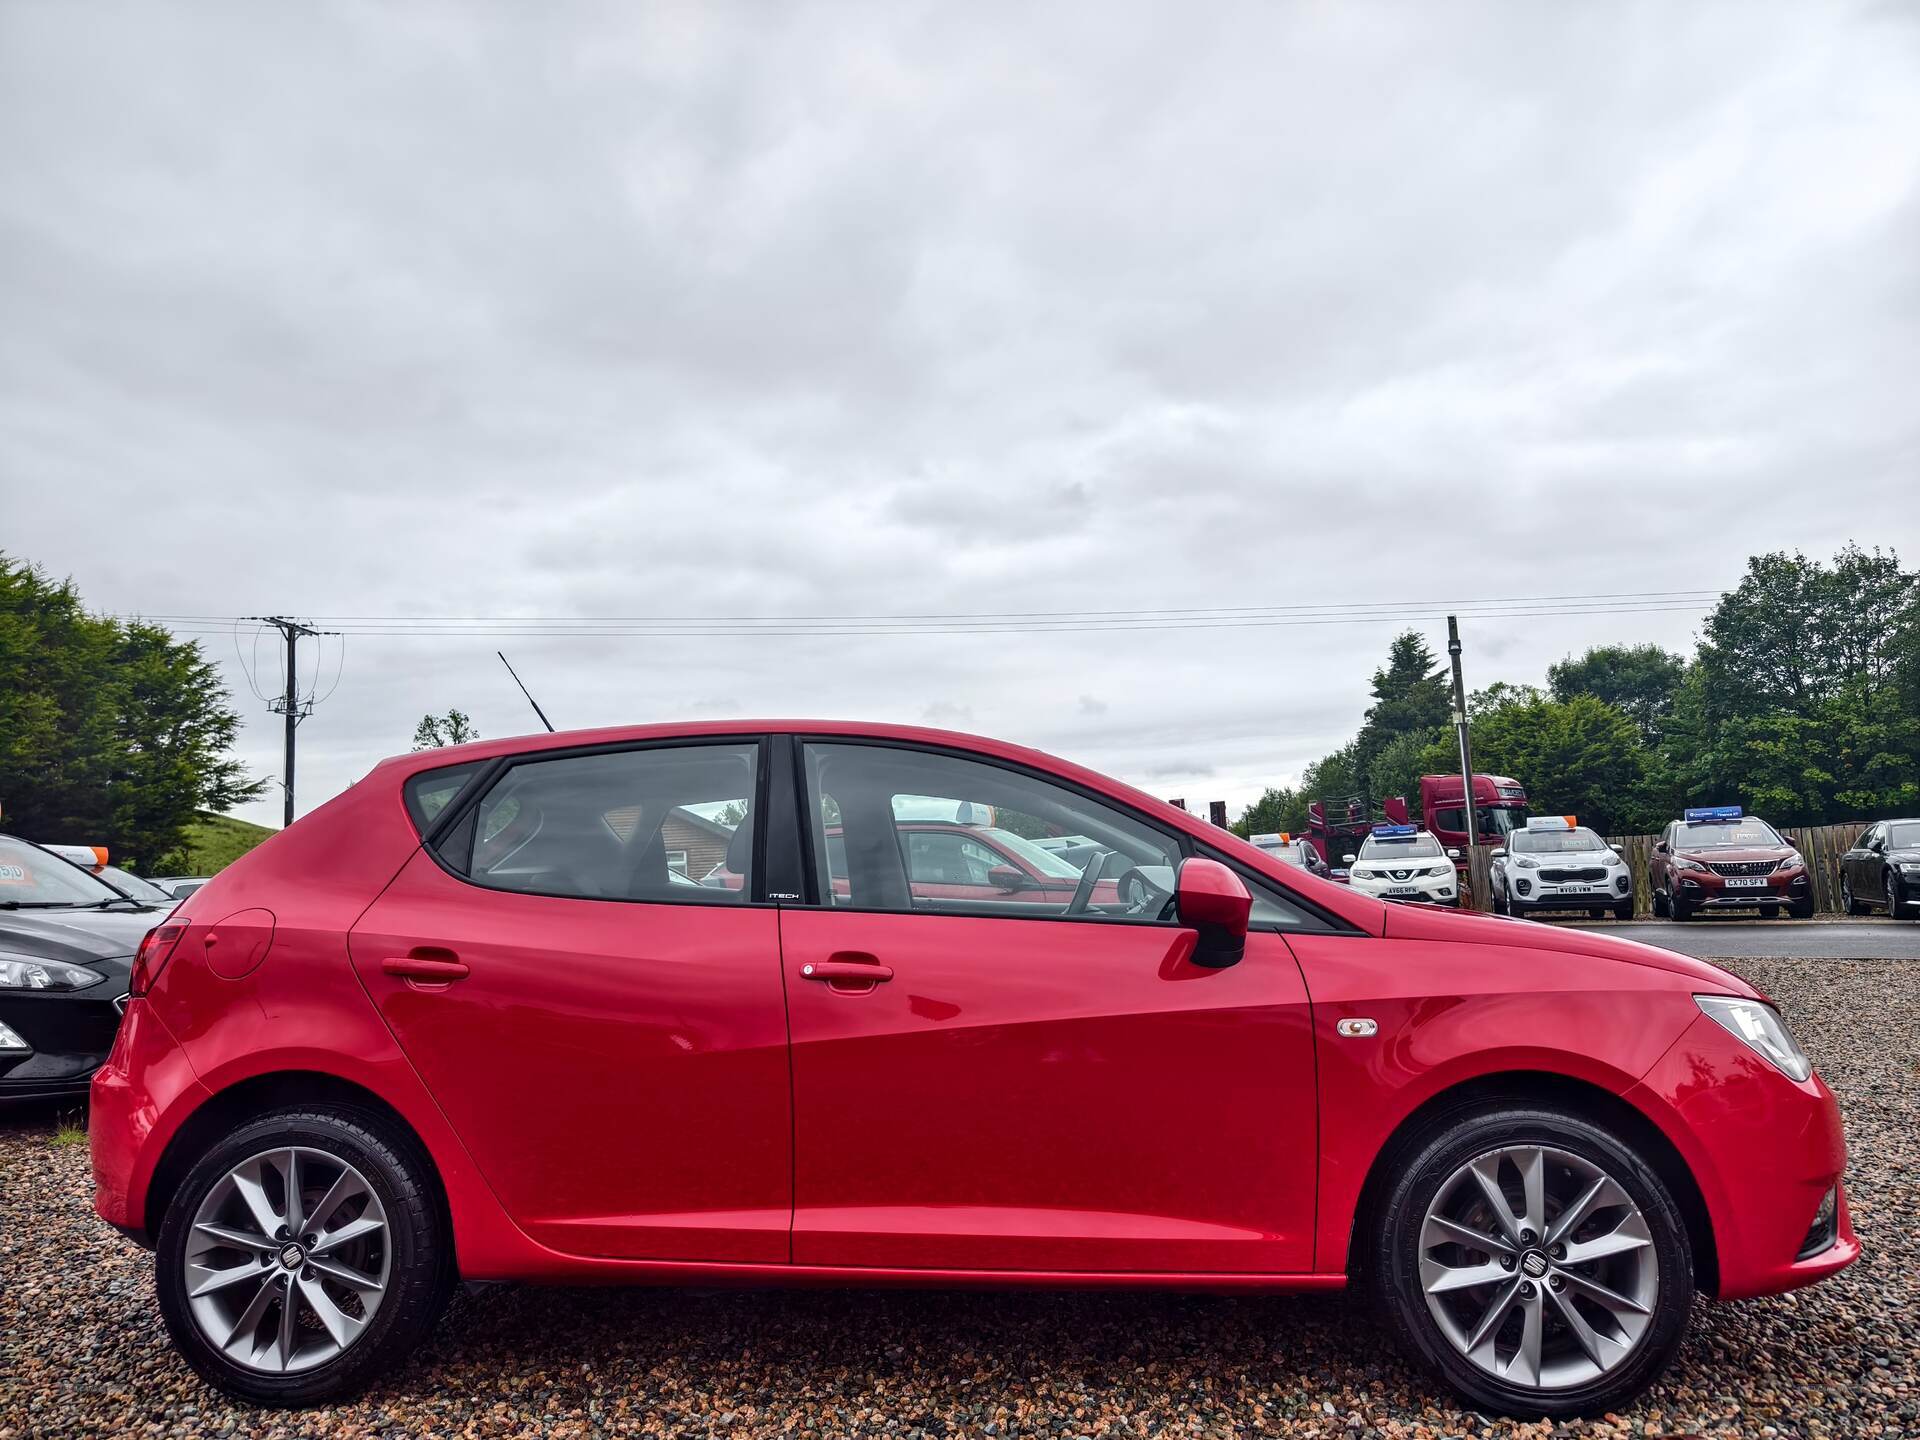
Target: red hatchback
(469, 1020)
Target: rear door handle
(426, 969)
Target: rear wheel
(1535, 1262)
(301, 1256)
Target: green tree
(452, 728)
(1576, 757)
(1277, 809)
(111, 732)
(1397, 768)
(1639, 680)
(1409, 697)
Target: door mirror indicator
(1212, 899)
(1007, 878)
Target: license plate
(1402, 890)
(1738, 882)
(1573, 890)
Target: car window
(618, 825)
(431, 791)
(1555, 842)
(31, 877)
(1412, 847)
(1903, 834)
(902, 829)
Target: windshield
(133, 885)
(1415, 847)
(1746, 834)
(1905, 835)
(1288, 855)
(1044, 861)
(1489, 820)
(1555, 842)
(30, 876)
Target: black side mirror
(1005, 877)
(1661, 848)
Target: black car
(66, 950)
(1883, 869)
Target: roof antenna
(526, 692)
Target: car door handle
(438, 969)
(831, 970)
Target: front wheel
(1623, 909)
(1678, 908)
(301, 1256)
(1850, 902)
(1896, 901)
(1535, 1262)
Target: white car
(1555, 863)
(1404, 862)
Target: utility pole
(290, 704)
(1466, 746)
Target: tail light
(155, 949)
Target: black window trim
(464, 809)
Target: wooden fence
(1820, 845)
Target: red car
(1717, 858)
(466, 1021)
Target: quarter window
(901, 829)
(619, 825)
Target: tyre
(1660, 904)
(1596, 912)
(1623, 909)
(1896, 900)
(1679, 909)
(1534, 1262)
(1801, 909)
(302, 1255)
(1849, 902)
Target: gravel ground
(83, 1352)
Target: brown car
(1716, 858)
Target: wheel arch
(1536, 1087)
(275, 1090)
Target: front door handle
(440, 968)
(868, 972)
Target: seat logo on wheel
(1534, 1263)
(291, 1256)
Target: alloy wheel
(287, 1261)
(1538, 1267)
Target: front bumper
(69, 1032)
(1528, 888)
(1763, 1149)
(1421, 890)
(1704, 890)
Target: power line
(290, 703)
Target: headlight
(1680, 862)
(21, 973)
(1910, 867)
(1760, 1028)
(1438, 870)
(1525, 863)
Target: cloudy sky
(647, 310)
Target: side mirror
(1499, 853)
(1005, 877)
(1210, 898)
(1792, 840)
(1661, 848)
(1455, 854)
(1349, 858)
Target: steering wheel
(1089, 877)
(1138, 893)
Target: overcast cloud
(645, 309)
